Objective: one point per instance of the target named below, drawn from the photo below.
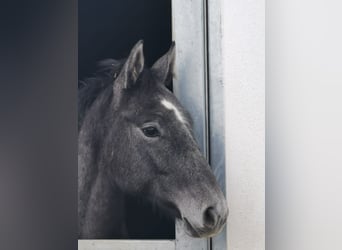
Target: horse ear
(133, 66)
(163, 68)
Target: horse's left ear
(163, 68)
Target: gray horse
(136, 139)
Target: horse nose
(210, 217)
(215, 216)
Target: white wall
(244, 79)
(304, 124)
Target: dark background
(109, 29)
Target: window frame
(200, 89)
(198, 84)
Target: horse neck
(104, 215)
(101, 203)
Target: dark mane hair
(91, 87)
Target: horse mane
(91, 87)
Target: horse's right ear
(163, 69)
(132, 68)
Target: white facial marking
(172, 107)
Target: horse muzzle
(205, 222)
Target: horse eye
(151, 132)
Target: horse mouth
(198, 232)
(190, 230)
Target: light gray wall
(244, 79)
(304, 124)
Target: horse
(137, 140)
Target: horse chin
(190, 230)
(197, 232)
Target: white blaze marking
(172, 107)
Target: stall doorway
(109, 29)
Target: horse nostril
(210, 217)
